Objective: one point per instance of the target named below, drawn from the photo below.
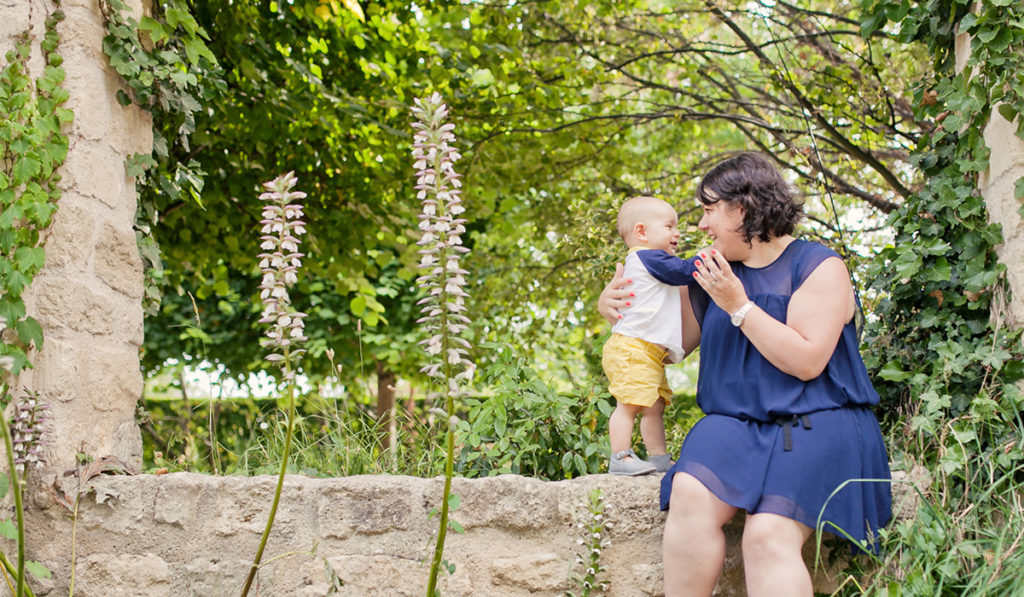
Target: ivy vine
(951, 397)
(32, 149)
(170, 72)
(941, 273)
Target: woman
(785, 394)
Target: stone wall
(195, 535)
(1006, 166)
(88, 295)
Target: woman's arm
(817, 312)
(614, 296)
(803, 344)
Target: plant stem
(74, 531)
(280, 477)
(8, 568)
(443, 528)
(19, 510)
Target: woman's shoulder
(812, 248)
(807, 256)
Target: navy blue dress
(754, 449)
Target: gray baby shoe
(661, 462)
(634, 467)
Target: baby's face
(663, 229)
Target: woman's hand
(614, 296)
(716, 278)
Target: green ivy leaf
(1008, 112)
(157, 32)
(907, 263)
(29, 258)
(358, 305)
(24, 169)
(30, 332)
(893, 372)
(941, 271)
(37, 570)
(11, 309)
(7, 529)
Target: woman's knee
(772, 536)
(691, 499)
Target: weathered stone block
(60, 301)
(482, 503)
(1006, 148)
(368, 507)
(94, 169)
(379, 575)
(137, 575)
(127, 443)
(73, 227)
(215, 574)
(117, 261)
(177, 503)
(543, 572)
(57, 369)
(112, 375)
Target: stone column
(88, 295)
(1005, 168)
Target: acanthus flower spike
(442, 279)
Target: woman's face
(723, 222)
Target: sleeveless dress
(769, 442)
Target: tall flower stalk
(593, 542)
(280, 261)
(438, 187)
(23, 443)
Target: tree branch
(851, 148)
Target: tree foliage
(563, 108)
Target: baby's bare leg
(652, 428)
(620, 426)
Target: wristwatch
(738, 317)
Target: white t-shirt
(654, 314)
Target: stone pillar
(1005, 168)
(996, 184)
(88, 295)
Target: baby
(647, 335)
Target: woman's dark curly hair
(752, 182)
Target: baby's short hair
(633, 210)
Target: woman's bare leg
(693, 547)
(773, 558)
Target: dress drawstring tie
(787, 423)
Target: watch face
(737, 317)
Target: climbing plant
(32, 149)
(941, 275)
(171, 73)
(950, 367)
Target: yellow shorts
(635, 370)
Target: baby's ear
(640, 231)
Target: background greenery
(562, 110)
